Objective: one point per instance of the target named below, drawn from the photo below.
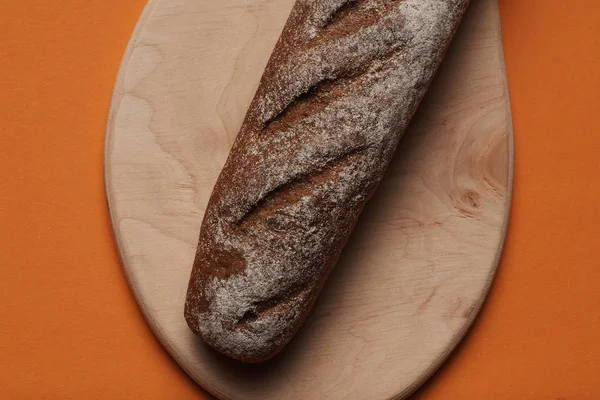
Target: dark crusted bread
(341, 86)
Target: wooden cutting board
(420, 263)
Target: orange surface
(69, 327)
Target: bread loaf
(338, 92)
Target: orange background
(69, 327)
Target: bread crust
(339, 90)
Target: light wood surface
(421, 260)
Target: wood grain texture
(421, 260)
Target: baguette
(338, 92)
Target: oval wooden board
(420, 263)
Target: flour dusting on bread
(339, 91)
